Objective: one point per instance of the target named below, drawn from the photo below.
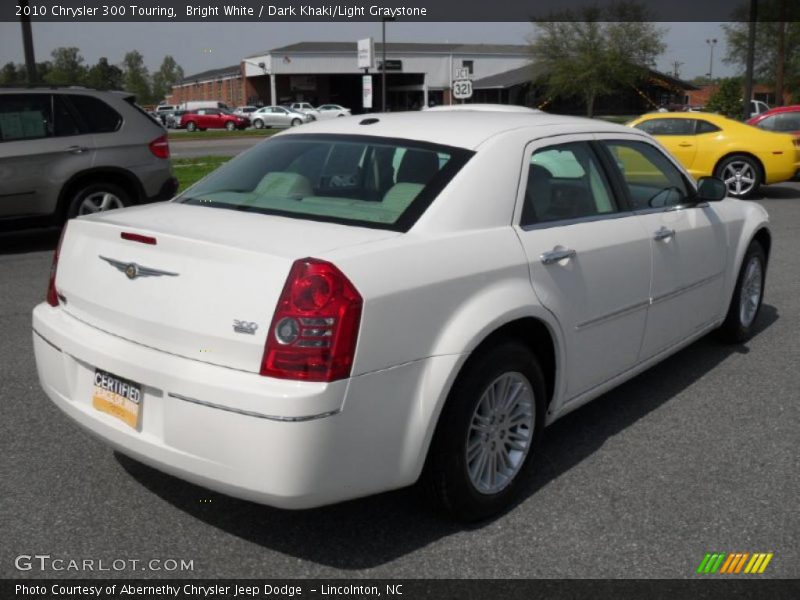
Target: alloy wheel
(740, 177)
(98, 202)
(500, 433)
(751, 292)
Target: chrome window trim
(577, 220)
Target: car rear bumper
(286, 444)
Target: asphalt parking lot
(699, 454)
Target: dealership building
(417, 74)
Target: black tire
(230, 125)
(191, 126)
(258, 124)
(96, 190)
(734, 329)
(743, 164)
(296, 122)
(446, 475)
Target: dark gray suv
(66, 152)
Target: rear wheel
(97, 197)
(745, 305)
(488, 433)
(230, 125)
(191, 126)
(741, 174)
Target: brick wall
(228, 90)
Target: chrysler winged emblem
(133, 270)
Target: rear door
(589, 258)
(41, 147)
(689, 244)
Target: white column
(424, 92)
(273, 97)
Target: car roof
(707, 116)
(462, 128)
(781, 109)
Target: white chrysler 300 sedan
(349, 307)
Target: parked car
(305, 108)
(332, 111)
(783, 119)
(163, 111)
(213, 118)
(174, 119)
(369, 319)
(709, 144)
(278, 116)
(757, 107)
(244, 111)
(193, 105)
(66, 152)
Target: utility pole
(751, 52)
(711, 43)
(27, 43)
(780, 68)
(676, 66)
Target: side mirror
(711, 189)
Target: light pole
(711, 43)
(27, 44)
(383, 63)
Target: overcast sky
(201, 46)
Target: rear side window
(667, 126)
(96, 115)
(565, 182)
(25, 117)
(360, 180)
(706, 127)
(652, 180)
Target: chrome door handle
(663, 234)
(77, 149)
(556, 255)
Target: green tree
(104, 76)
(777, 47)
(595, 51)
(67, 67)
(9, 74)
(727, 100)
(135, 77)
(167, 75)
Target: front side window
(667, 126)
(565, 182)
(786, 122)
(25, 116)
(359, 180)
(652, 180)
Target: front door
(589, 259)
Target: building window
(468, 65)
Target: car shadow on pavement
(372, 531)
(778, 192)
(21, 242)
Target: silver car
(74, 151)
(278, 116)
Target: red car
(213, 118)
(784, 119)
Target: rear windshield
(368, 181)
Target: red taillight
(52, 292)
(160, 147)
(138, 237)
(315, 327)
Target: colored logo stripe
(733, 563)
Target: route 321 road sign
(462, 89)
(462, 86)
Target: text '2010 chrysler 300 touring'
(361, 303)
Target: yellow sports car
(741, 155)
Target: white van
(198, 104)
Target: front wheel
(258, 124)
(488, 433)
(230, 125)
(739, 323)
(296, 122)
(741, 174)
